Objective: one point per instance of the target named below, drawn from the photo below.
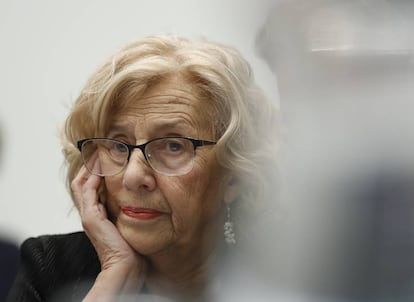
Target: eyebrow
(179, 123)
(120, 126)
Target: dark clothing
(55, 268)
(9, 261)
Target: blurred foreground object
(345, 73)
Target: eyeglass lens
(167, 156)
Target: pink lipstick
(140, 213)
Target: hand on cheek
(122, 269)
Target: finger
(84, 172)
(93, 164)
(76, 185)
(85, 188)
(90, 190)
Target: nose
(138, 175)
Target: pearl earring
(229, 235)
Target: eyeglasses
(171, 156)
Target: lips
(141, 213)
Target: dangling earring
(229, 235)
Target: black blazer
(55, 268)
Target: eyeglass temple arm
(199, 143)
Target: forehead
(171, 102)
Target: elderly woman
(169, 141)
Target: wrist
(115, 281)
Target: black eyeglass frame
(196, 143)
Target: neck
(184, 275)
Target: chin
(145, 243)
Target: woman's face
(157, 213)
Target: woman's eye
(174, 146)
(120, 148)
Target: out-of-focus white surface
(48, 50)
(345, 72)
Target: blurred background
(342, 73)
(345, 74)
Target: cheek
(197, 196)
(196, 211)
(111, 188)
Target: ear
(232, 189)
